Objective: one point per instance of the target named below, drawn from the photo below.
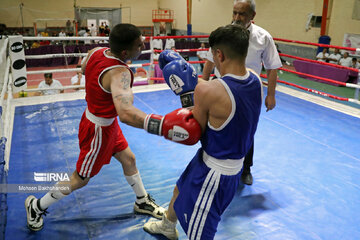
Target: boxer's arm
(123, 98)
(202, 104)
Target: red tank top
(99, 101)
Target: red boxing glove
(178, 126)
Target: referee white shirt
(54, 84)
(262, 50)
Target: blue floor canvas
(306, 174)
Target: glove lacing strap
(187, 99)
(153, 125)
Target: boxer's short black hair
(122, 37)
(233, 40)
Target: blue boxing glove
(182, 78)
(168, 56)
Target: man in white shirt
(87, 34)
(157, 43)
(62, 33)
(169, 43)
(335, 57)
(93, 30)
(202, 55)
(354, 63)
(78, 79)
(345, 60)
(262, 50)
(322, 56)
(49, 82)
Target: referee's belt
(224, 166)
(100, 121)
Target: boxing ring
(306, 170)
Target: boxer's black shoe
(148, 206)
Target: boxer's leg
(144, 202)
(167, 226)
(35, 208)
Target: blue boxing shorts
(206, 188)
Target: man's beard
(238, 22)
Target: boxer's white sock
(51, 197)
(137, 185)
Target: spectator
(46, 42)
(82, 32)
(335, 57)
(202, 55)
(102, 29)
(78, 79)
(87, 34)
(68, 25)
(93, 31)
(345, 60)
(322, 56)
(35, 44)
(62, 33)
(170, 42)
(107, 30)
(157, 43)
(354, 63)
(49, 82)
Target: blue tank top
(234, 138)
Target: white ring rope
(3, 49)
(356, 86)
(54, 88)
(54, 71)
(72, 69)
(67, 55)
(7, 123)
(69, 87)
(64, 38)
(55, 55)
(2, 96)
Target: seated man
(345, 60)
(335, 57)
(322, 56)
(78, 79)
(354, 63)
(49, 82)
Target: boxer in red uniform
(108, 95)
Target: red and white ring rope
(206, 49)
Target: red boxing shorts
(99, 139)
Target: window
(316, 21)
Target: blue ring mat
(306, 175)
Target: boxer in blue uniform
(228, 111)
